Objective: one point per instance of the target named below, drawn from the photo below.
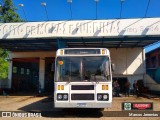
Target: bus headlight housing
(105, 97)
(102, 96)
(65, 97)
(62, 96)
(59, 97)
(99, 97)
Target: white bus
(83, 78)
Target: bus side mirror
(113, 67)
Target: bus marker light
(61, 52)
(103, 52)
(60, 62)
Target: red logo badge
(141, 106)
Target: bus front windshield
(83, 68)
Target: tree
(3, 64)
(7, 14)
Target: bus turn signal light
(60, 62)
(104, 87)
(60, 87)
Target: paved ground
(43, 104)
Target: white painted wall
(41, 72)
(129, 62)
(10, 74)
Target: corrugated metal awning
(52, 44)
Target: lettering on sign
(86, 28)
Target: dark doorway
(121, 81)
(49, 74)
(25, 74)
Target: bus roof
(82, 51)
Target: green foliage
(7, 14)
(3, 64)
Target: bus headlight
(105, 97)
(102, 97)
(65, 97)
(59, 97)
(62, 96)
(99, 97)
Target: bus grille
(82, 96)
(82, 87)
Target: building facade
(33, 45)
(153, 59)
(153, 64)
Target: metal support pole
(24, 14)
(46, 13)
(121, 8)
(70, 5)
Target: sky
(86, 10)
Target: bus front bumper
(82, 105)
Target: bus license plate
(81, 105)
